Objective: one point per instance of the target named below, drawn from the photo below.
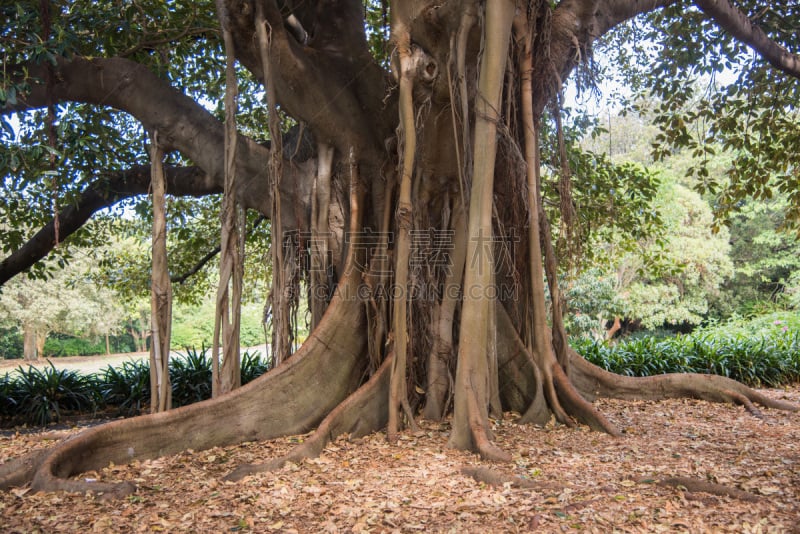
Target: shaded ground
(581, 480)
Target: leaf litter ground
(561, 479)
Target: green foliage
(67, 302)
(193, 325)
(766, 262)
(44, 395)
(614, 199)
(10, 343)
(8, 396)
(127, 387)
(41, 396)
(190, 374)
(65, 345)
(668, 279)
(764, 352)
(253, 365)
(711, 93)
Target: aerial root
(537, 412)
(551, 394)
(363, 412)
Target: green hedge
(10, 344)
(760, 352)
(58, 345)
(43, 395)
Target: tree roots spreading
(312, 388)
(362, 413)
(291, 399)
(592, 382)
(523, 391)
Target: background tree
(68, 302)
(452, 140)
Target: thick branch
(332, 83)
(734, 21)
(576, 25)
(182, 123)
(103, 193)
(613, 12)
(131, 87)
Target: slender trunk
(227, 319)
(397, 385)
(472, 392)
(614, 328)
(320, 233)
(281, 331)
(41, 338)
(108, 343)
(137, 339)
(160, 291)
(29, 343)
(442, 349)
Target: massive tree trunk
(412, 163)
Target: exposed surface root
(362, 413)
(695, 484)
(484, 445)
(579, 407)
(19, 471)
(592, 382)
(291, 399)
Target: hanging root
(362, 413)
(592, 381)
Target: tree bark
(29, 343)
(472, 391)
(226, 376)
(160, 290)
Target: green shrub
(58, 345)
(10, 344)
(8, 396)
(190, 374)
(61, 345)
(253, 365)
(127, 387)
(43, 395)
(764, 351)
